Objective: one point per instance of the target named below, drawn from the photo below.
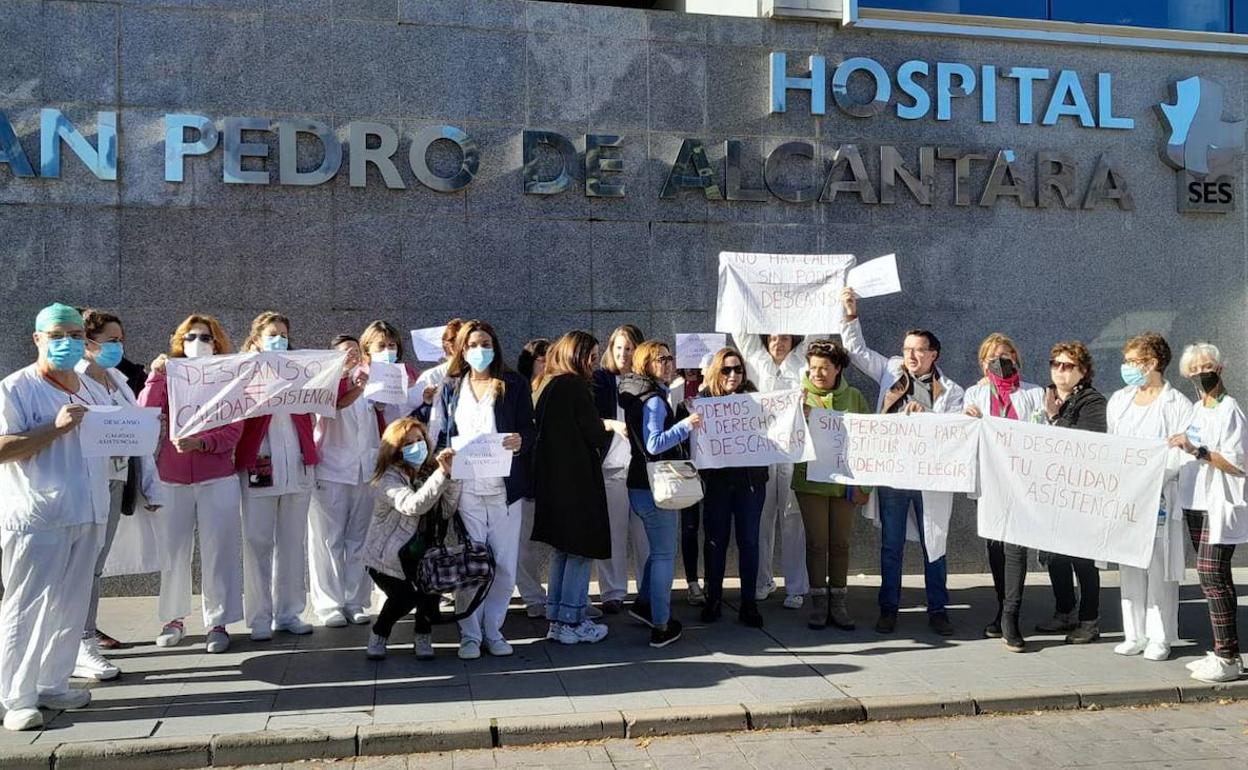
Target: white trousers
(613, 572)
(491, 520)
(530, 559)
(1150, 603)
(47, 586)
(275, 530)
(337, 527)
(780, 510)
(212, 508)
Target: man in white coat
(908, 383)
(54, 506)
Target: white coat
(1221, 429)
(1028, 400)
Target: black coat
(1084, 409)
(570, 498)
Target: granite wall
(335, 257)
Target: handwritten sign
(119, 431)
(931, 452)
(751, 429)
(206, 393)
(780, 293)
(387, 383)
(1069, 491)
(875, 278)
(692, 348)
(480, 457)
(427, 343)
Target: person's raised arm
(869, 362)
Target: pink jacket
(215, 462)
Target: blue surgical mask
(65, 353)
(110, 354)
(479, 358)
(1133, 376)
(386, 356)
(274, 343)
(416, 454)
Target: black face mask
(1002, 367)
(1207, 381)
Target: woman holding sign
(481, 397)
(381, 341)
(276, 457)
(202, 493)
(1212, 492)
(1149, 408)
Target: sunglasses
(1063, 366)
(727, 370)
(193, 337)
(665, 359)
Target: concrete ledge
(1128, 696)
(1198, 691)
(27, 757)
(685, 720)
(1009, 701)
(884, 708)
(377, 740)
(271, 746)
(139, 754)
(805, 713)
(526, 731)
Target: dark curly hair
(832, 350)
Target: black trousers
(1009, 572)
(402, 598)
(690, 524)
(1063, 570)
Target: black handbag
(467, 566)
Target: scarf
(999, 394)
(833, 398)
(921, 389)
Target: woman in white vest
(777, 362)
(1212, 491)
(1149, 408)
(342, 503)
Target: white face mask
(197, 349)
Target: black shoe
(993, 629)
(887, 623)
(711, 612)
(640, 612)
(749, 615)
(1011, 635)
(1086, 632)
(661, 637)
(612, 606)
(939, 621)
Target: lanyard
(72, 395)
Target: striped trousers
(1213, 564)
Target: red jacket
(256, 428)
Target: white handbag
(675, 484)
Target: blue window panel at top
(1198, 15)
(1239, 15)
(1016, 9)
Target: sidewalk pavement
(719, 677)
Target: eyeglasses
(916, 351)
(1140, 362)
(193, 337)
(665, 359)
(1063, 366)
(727, 370)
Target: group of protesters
(276, 498)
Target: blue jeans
(662, 527)
(726, 503)
(568, 597)
(894, 510)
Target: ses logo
(1203, 147)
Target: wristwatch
(1202, 453)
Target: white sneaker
(335, 619)
(70, 699)
(218, 641)
(499, 647)
(358, 616)
(593, 612)
(23, 719)
(1214, 669)
(589, 632)
(1199, 662)
(552, 633)
(376, 647)
(762, 592)
(261, 633)
(171, 635)
(794, 602)
(423, 647)
(1130, 647)
(1156, 651)
(469, 649)
(536, 611)
(297, 627)
(695, 595)
(92, 665)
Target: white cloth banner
(780, 293)
(751, 429)
(691, 348)
(929, 451)
(387, 383)
(206, 393)
(480, 457)
(1072, 492)
(427, 343)
(119, 431)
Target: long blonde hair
(393, 439)
(257, 328)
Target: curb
(274, 746)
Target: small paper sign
(119, 431)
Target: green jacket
(843, 398)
